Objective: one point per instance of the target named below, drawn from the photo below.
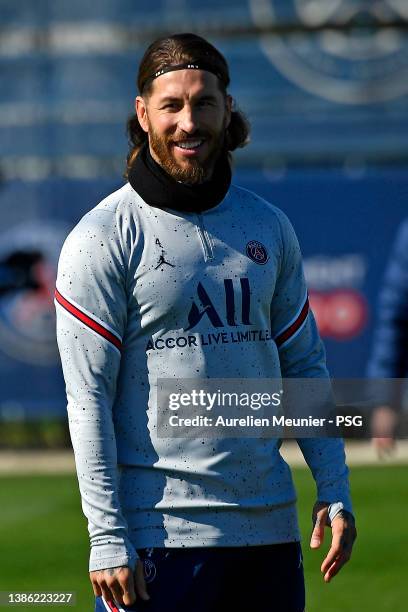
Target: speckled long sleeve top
(139, 292)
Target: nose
(187, 121)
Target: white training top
(145, 293)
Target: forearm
(94, 446)
(90, 366)
(327, 462)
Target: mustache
(184, 136)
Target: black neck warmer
(157, 188)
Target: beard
(193, 171)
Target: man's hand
(343, 537)
(119, 584)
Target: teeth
(189, 145)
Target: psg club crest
(257, 252)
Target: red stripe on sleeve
(285, 335)
(99, 329)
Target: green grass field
(44, 544)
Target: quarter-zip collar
(205, 238)
(157, 188)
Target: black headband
(187, 65)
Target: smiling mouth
(189, 145)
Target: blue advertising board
(345, 224)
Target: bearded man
(177, 257)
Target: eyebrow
(176, 99)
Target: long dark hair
(178, 49)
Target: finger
(95, 585)
(334, 552)
(342, 557)
(96, 588)
(336, 567)
(116, 590)
(342, 544)
(331, 558)
(140, 582)
(106, 592)
(317, 536)
(128, 588)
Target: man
(148, 275)
(389, 357)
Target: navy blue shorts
(266, 578)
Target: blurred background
(324, 84)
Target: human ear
(141, 112)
